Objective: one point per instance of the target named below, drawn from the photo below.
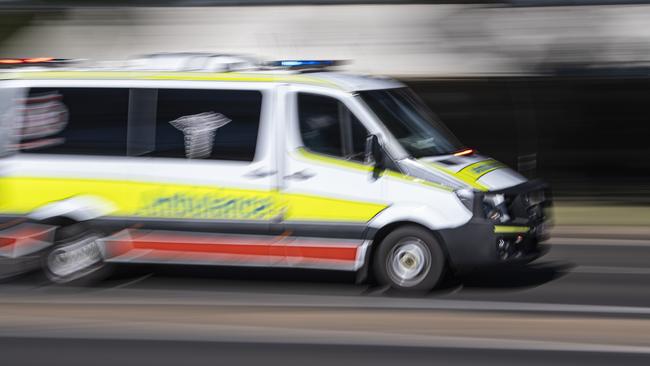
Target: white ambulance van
(286, 165)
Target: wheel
(409, 259)
(76, 257)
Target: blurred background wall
(558, 91)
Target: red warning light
(38, 59)
(464, 152)
(31, 60)
(10, 61)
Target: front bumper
(481, 243)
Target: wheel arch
(73, 209)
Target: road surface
(585, 302)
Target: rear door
(187, 168)
(204, 177)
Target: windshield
(411, 122)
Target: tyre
(409, 259)
(76, 257)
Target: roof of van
(335, 80)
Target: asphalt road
(580, 303)
(163, 353)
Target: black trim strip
(327, 229)
(316, 229)
(191, 225)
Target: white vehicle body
(288, 207)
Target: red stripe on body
(253, 249)
(233, 247)
(24, 234)
(311, 251)
(7, 241)
(322, 252)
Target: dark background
(589, 133)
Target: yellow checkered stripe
(471, 173)
(22, 195)
(347, 164)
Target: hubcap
(74, 258)
(409, 262)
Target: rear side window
(78, 121)
(207, 124)
(172, 123)
(328, 127)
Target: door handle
(259, 173)
(301, 175)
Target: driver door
(329, 191)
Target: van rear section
(22, 242)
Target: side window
(207, 124)
(359, 135)
(82, 121)
(328, 127)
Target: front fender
(425, 215)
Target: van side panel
(138, 199)
(169, 209)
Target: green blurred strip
(504, 229)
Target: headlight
(466, 196)
(495, 209)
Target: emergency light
(464, 152)
(33, 61)
(304, 64)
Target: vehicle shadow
(237, 279)
(498, 279)
(233, 279)
(514, 277)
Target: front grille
(524, 211)
(528, 204)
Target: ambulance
(218, 160)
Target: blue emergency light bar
(304, 64)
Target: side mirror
(375, 155)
